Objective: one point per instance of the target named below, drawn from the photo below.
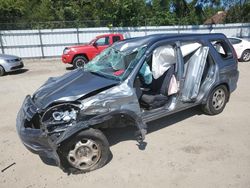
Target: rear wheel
(245, 56)
(216, 101)
(2, 71)
(79, 61)
(84, 152)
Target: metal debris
(8, 167)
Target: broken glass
(114, 64)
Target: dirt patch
(188, 149)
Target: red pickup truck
(81, 54)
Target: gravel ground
(188, 149)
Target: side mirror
(94, 44)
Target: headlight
(13, 60)
(65, 115)
(62, 113)
(66, 50)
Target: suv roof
(157, 37)
(151, 39)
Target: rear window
(234, 41)
(222, 48)
(116, 38)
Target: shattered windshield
(114, 64)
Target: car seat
(158, 95)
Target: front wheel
(245, 56)
(2, 72)
(85, 152)
(79, 61)
(216, 100)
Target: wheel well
(2, 67)
(113, 121)
(84, 55)
(211, 90)
(225, 84)
(4, 71)
(244, 51)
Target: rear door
(195, 57)
(193, 74)
(226, 61)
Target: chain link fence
(50, 41)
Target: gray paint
(69, 87)
(117, 101)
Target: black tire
(77, 149)
(79, 61)
(245, 56)
(2, 71)
(216, 100)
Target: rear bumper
(35, 140)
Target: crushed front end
(32, 135)
(40, 130)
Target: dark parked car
(132, 82)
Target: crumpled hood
(69, 87)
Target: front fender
(99, 119)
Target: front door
(101, 44)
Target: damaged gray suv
(132, 82)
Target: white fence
(50, 43)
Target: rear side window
(222, 48)
(116, 38)
(234, 41)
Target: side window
(102, 41)
(116, 38)
(222, 48)
(234, 41)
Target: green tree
(11, 11)
(238, 14)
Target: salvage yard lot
(188, 149)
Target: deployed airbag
(194, 73)
(163, 58)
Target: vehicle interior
(198, 69)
